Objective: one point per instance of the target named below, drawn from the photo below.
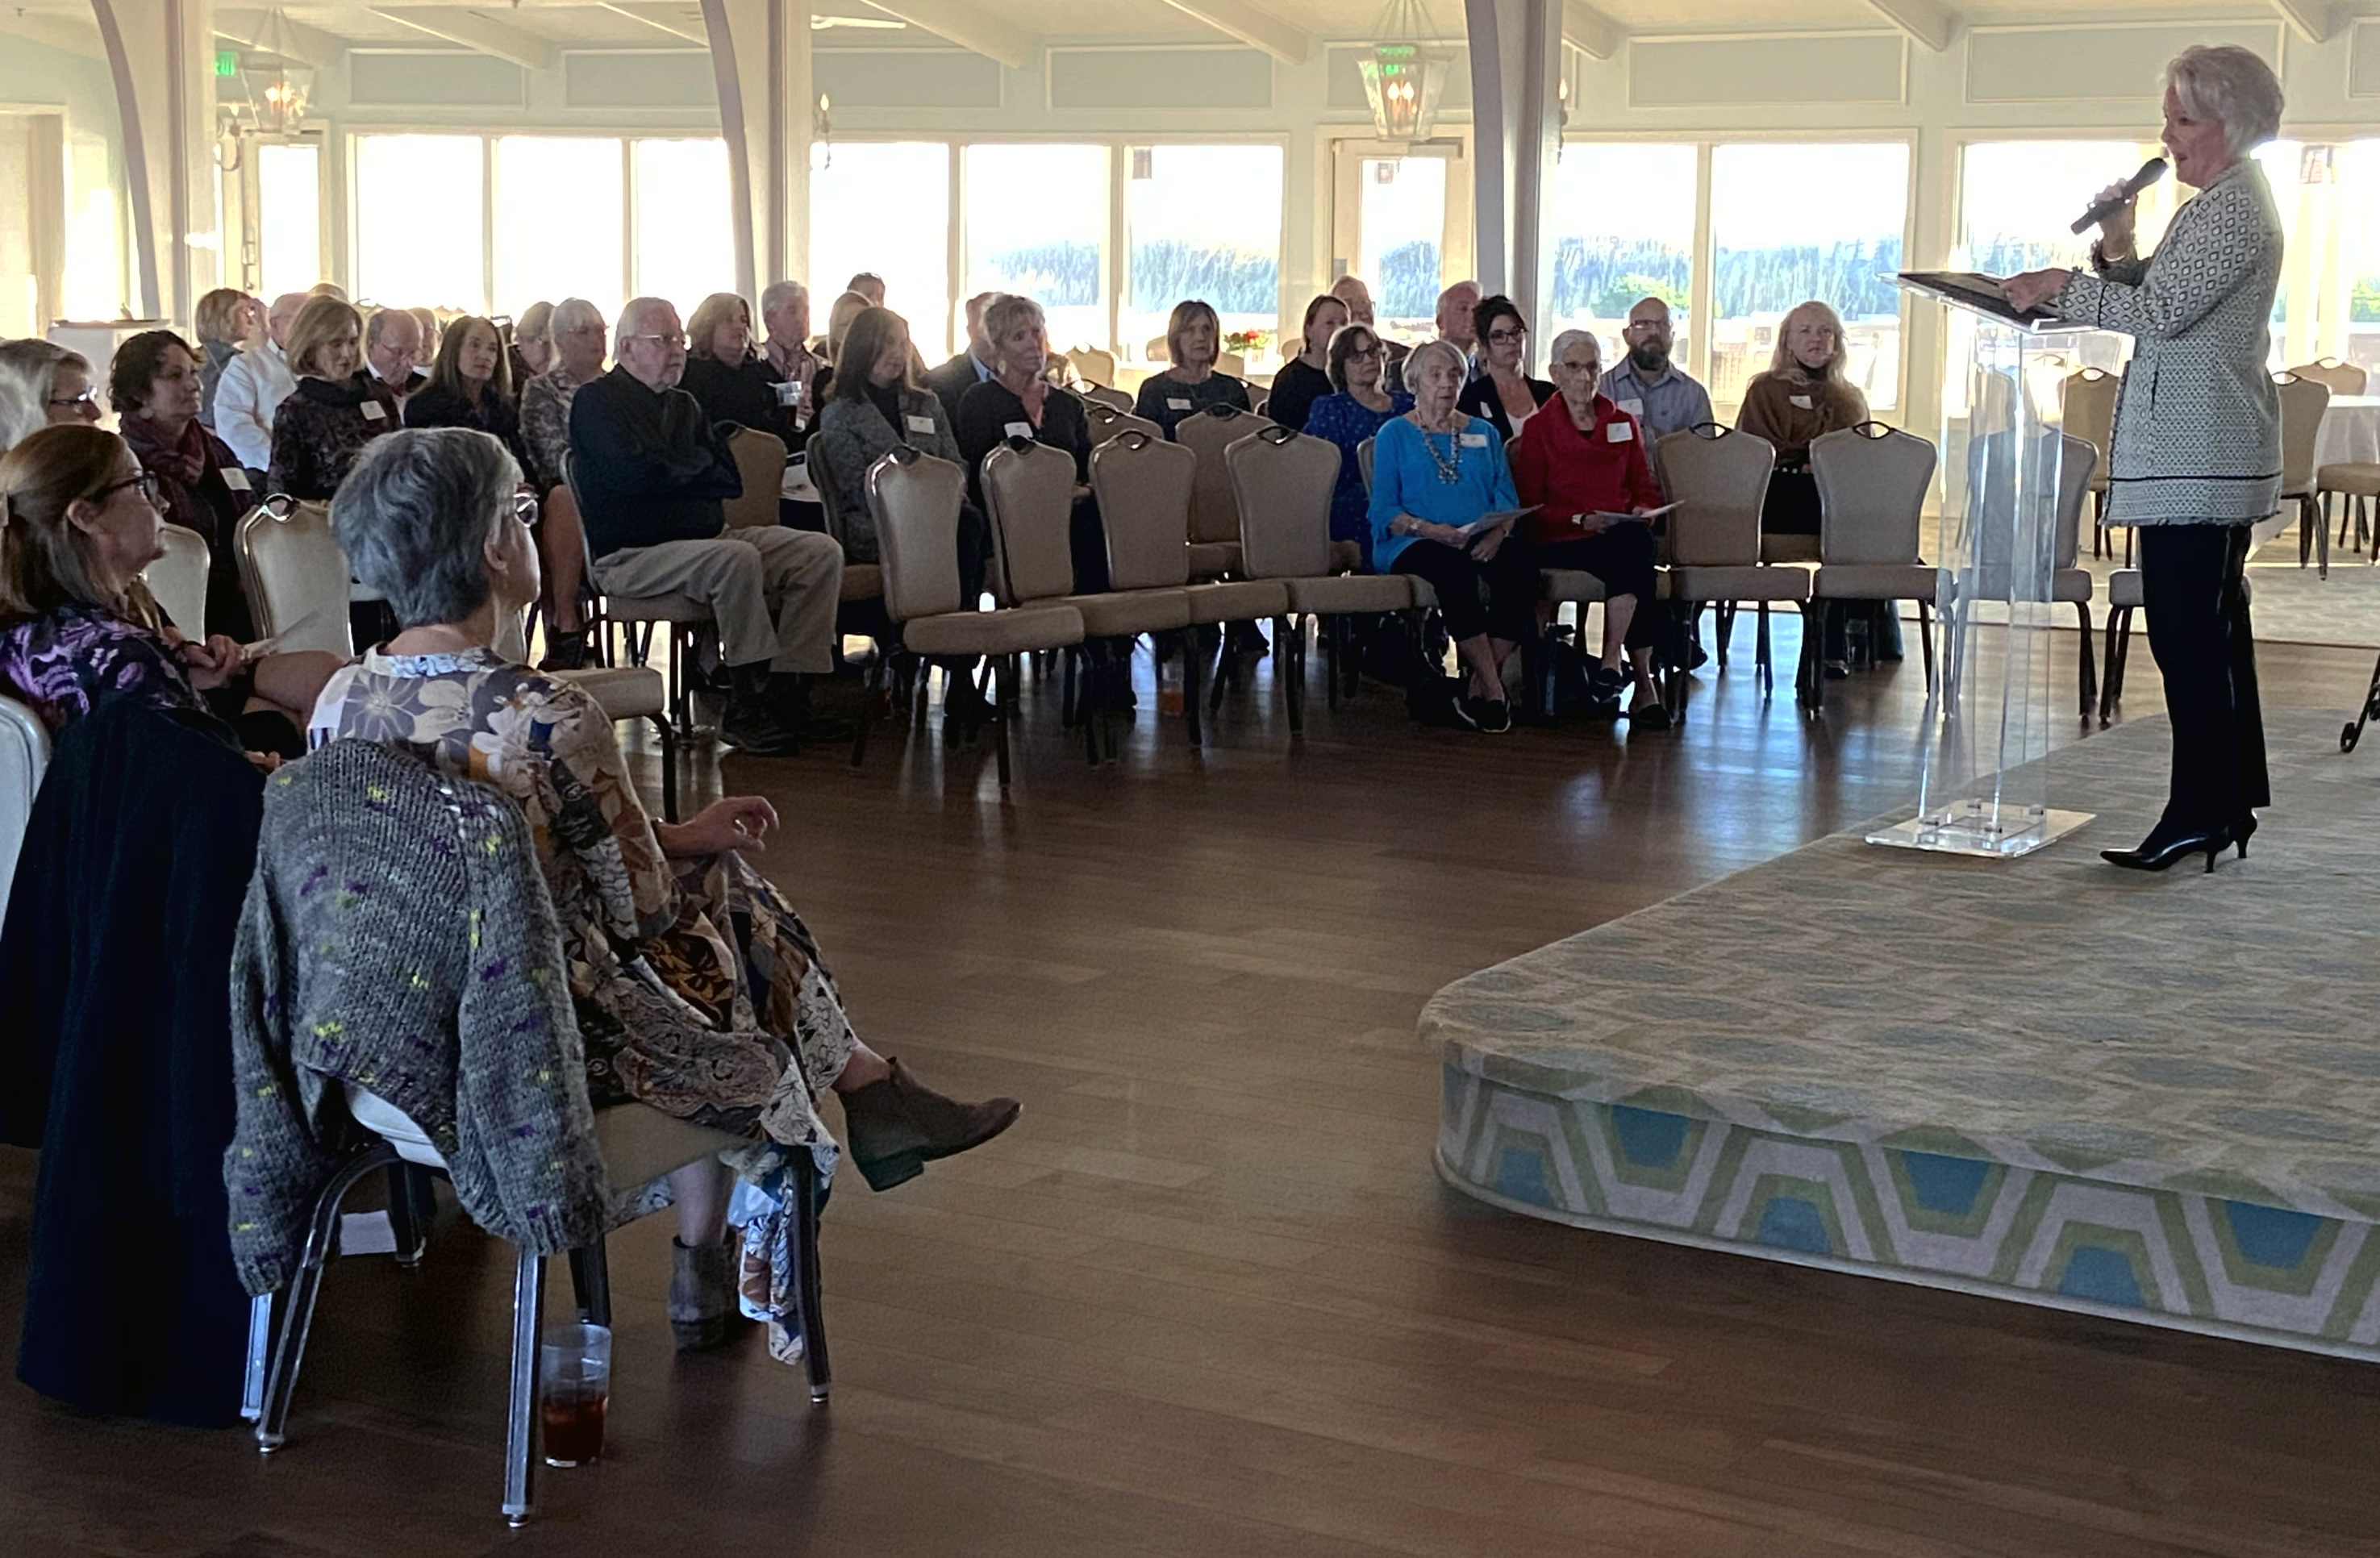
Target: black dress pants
(1509, 581)
(2190, 588)
(1622, 558)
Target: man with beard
(1647, 385)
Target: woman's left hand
(740, 822)
(2032, 288)
(1485, 547)
(214, 663)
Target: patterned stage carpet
(2043, 1079)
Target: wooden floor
(1209, 1297)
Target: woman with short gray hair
(2196, 460)
(698, 990)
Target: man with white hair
(870, 285)
(392, 341)
(786, 317)
(951, 382)
(650, 471)
(254, 384)
(1352, 291)
(1458, 307)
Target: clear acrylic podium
(1983, 793)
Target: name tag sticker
(372, 412)
(234, 479)
(1619, 432)
(1474, 441)
(789, 394)
(1176, 402)
(1634, 409)
(921, 424)
(1018, 429)
(1802, 401)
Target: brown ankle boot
(897, 1126)
(702, 1295)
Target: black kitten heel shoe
(2156, 854)
(2242, 831)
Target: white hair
(2233, 85)
(1569, 338)
(1433, 351)
(631, 321)
(781, 293)
(575, 313)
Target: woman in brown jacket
(1802, 395)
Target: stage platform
(2045, 1079)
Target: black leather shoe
(2242, 831)
(2155, 853)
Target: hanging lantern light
(1404, 76)
(278, 91)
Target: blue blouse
(1406, 480)
(1347, 421)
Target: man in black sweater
(951, 382)
(650, 470)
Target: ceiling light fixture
(1404, 76)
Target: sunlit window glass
(1203, 222)
(1622, 216)
(685, 233)
(1035, 223)
(2358, 225)
(1402, 214)
(885, 207)
(288, 218)
(405, 255)
(578, 256)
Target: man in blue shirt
(1648, 386)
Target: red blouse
(1567, 470)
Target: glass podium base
(1974, 827)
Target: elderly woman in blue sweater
(1435, 474)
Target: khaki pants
(773, 591)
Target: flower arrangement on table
(1249, 344)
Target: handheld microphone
(2151, 171)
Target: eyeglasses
(525, 506)
(151, 488)
(1363, 354)
(1502, 337)
(88, 397)
(674, 338)
(1639, 326)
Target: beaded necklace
(1449, 465)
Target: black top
(1479, 400)
(647, 465)
(1294, 390)
(989, 410)
(1168, 402)
(493, 415)
(320, 430)
(744, 393)
(952, 380)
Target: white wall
(36, 78)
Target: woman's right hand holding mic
(2115, 228)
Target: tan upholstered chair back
(1364, 464)
(2078, 464)
(1144, 486)
(1721, 477)
(1157, 350)
(1231, 363)
(1871, 490)
(916, 499)
(179, 579)
(1100, 395)
(1030, 493)
(1094, 365)
(823, 478)
(2089, 409)
(1214, 516)
(1107, 421)
(297, 577)
(760, 459)
(2339, 378)
(2304, 401)
(1282, 481)
(24, 758)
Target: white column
(160, 54)
(761, 58)
(1516, 131)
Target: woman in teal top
(1435, 471)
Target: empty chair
(1102, 394)
(1093, 365)
(916, 499)
(2339, 378)
(2124, 597)
(760, 460)
(1871, 482)
(2089, 413)
(179, 579)
(1214, 512)
(863, 583)
(296, 577)
(1107, 421)
(2304, 401)
(1719, 478)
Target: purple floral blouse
(64, 662)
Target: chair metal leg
(1193, 667)
(806, 1252)
(411, 1202)
(1003, 688)
(871, 693)
(520, 1413)
(667, 733)
(259, 1353)
(1926, 641)
(590, 1284)
(2090, 672)
(1291, 663)
(305, 1285)
(1809, 673)
(1767, 667)
(1226, 666)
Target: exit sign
(227, 64)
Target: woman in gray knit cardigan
(2197, 456)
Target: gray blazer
(2198, 423)
(852, 435)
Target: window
(1790, 223)
(684, 222)
(578, 256)
(2011, 219)
(1035, 223)
(1403, 220)
(2357, 338)
(1203, 222)
(886, 207)
(288, 218)
(1622, 216)
(419, 229)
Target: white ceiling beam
(2314, 20)
(968, 26)
(1260, 29)
(1589, 31)
(1923, 19)
(68, 33)
(474, 31)
(676, 20)
(292, 40)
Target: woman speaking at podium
(2197, 456)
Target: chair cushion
(863, 581)
(1573, 584)
(1350, 592)
(1424, 594)
(1209, 558)
(1346, 556)
(1873, 581)
(1242, 600)
(2124, 588)
(1127, 614)
(656, 608)
(1789, 549)
(626, 692)
(2353, 479)
(640, 1144)
(2072, 585)
(1010, 631)
(1742, 583)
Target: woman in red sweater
(1579, 461)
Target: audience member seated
(42, 385)
(838, 324)
(1359, 409)
(333, 290)
(1580, 462)
(1434, 472)
(471, 385)
(227, 319)
(1651, 388)
(650, 472)
(255, 384)
(79, 521)
(1352, 291)
(795, 368)
(869, 285)
(951, 382)
(392, 342)
(698, 990)
(1305, 378)
(1018, 402)
(730, 381)
(1802, 395)
(1188, 384)
(872, 411)
(433, 333)
(530, 350)
(579, 342)
(154, 386)
(1504, 393)
(336, 410)
(1458, 310)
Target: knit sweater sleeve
(2218, 248)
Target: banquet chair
(2359, 482)
(179, 579)
(1231, 363)
(2124, 597)
(916, 499)
(1872, 483)
(24, 758)
(1214, 512)
(1106, 397)
(760, 460)
(1093, 365)
(2339, 378)
(2304, 401)
(1108, 421)
(636, 617)
(2089, 413)
(1719, 476)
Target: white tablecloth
(2350, 431)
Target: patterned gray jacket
(852, 435)
(2198, 423)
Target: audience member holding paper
(1582, 465)
(156, 382)
(1436, 472)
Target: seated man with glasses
(650, 470)
(1648, 386)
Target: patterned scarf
(185, 460)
